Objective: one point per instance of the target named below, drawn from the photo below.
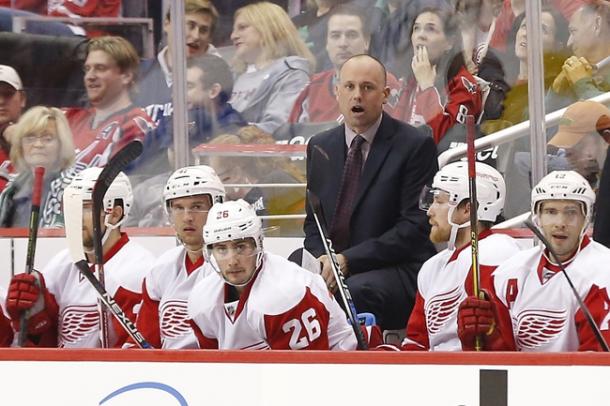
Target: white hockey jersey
(6, 330)
(283, 307)
(544, 313)
(163, 317)
(443, 283)
(78, 321)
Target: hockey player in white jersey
(543, 312)
(445, 280)
(189, 194)
(258, 300)
(63, 305)
(6, 331)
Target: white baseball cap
(10, 76)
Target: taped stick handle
(32, 238)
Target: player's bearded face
(562, 222)
(437, 217)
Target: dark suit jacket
(387, 228)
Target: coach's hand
(327, 271)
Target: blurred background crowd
(78, 79)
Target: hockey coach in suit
(368, 174)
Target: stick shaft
(344, 293)
(474, 236)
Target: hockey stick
(116, 164)
(474, 236)
(32, 237)
(581, 304)
(73, 217)
(346, 297)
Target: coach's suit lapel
(379, 150)
(337, 151)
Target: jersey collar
(482, 235)
(547, 269)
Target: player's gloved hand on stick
(478, 317)
(29, 293)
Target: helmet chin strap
(454, 228)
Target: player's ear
(116, 214)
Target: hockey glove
(28, 293)
(477, 317)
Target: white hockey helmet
(120, 189)
(192, 181)
(491, 189)
(232, 220)
(564, 185)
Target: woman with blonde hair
(272, 63)
(41, 137)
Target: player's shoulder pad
(518, 263)
(131, 264)
(206, 294)
(497, 248)
(280, 286)
(168, 264)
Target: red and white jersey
(84, 8)
(163, 317)
(284, 307)
(443, 283)
(544, 313)
(78, 323)
(6, 331)
(462, 97)
(95, 146)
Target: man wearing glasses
(189, 194)
(258, 300)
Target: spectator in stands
(391, 41)
(577, 142)
(112, 121)
(312, 24)
(267, 170)
(514, 8)
(575, 146)
(601, 230)
(12, 103)
(581, 78)
(272, 64)
(154, 87)
(348, 35)
(84, 8)
(554, 39)
(209, 85)
(439, 91)
(373, 217)
(477, 22)
(42, 137)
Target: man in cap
(12, 103)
